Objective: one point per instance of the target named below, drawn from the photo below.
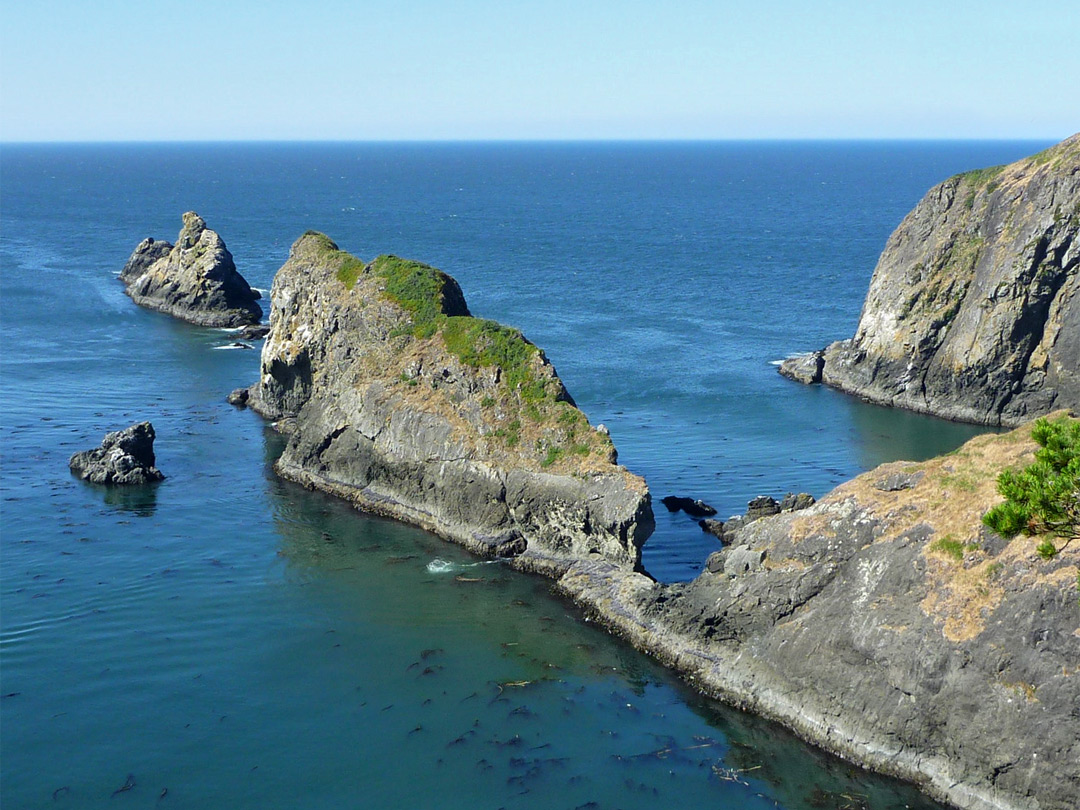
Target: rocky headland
(397, 399)
(886, 624)
(195, 280)
(882, 622)
(124, 457)
(972, 312)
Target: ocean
(229, 640)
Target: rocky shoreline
(850, 620)
(973, 312)
(885, 625)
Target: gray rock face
(194, 280)
(973, 312)
(403, 409)
(855, 623)
(124, 457)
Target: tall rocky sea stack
(195, 280)
(972, 312)
(400, 401)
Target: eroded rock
(973, 312)
(195, 280)
(124, 457)
(397, 399)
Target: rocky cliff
(397, 399)
(972, 312)
(195, 279)
(886, 624)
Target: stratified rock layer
(195, 279)
(972, 312)
(124, 457)
(398, 400)
(884, 623)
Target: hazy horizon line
(763, 139)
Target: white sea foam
(440, 566)
(232, 346)
(776, 362)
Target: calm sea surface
(227, 640)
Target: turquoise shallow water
(228, 640)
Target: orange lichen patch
(1022, 689)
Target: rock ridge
(397, 399)
(885, 624)
(195, 280)
(972, 312)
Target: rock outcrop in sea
(886, 624)
(124, 457)
(195, 280)
(972, 312)
(397, 399)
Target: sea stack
(400, 401)
(195, 280)
(972, 312)
(124, 457)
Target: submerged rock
(195, 279)
(973, 312)
(124, 457)
(254, 332)
(400, 401)
(693, 507)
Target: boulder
(124, 457)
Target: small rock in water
(254, 332)
(125, 457)
(239, 397)
(692, 507)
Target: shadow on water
(883, 434)
(536, 667)
(136, 499)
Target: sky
(153, 70)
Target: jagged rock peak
(972, 312)
(195, 279)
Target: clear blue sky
(567, 69)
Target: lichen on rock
(195, 280)
(399, 400)
(972, 312)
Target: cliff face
(398, 400)
(195, 280)
(972, 312)
(885, 624)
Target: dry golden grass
(965, 584)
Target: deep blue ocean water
(228, 640)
